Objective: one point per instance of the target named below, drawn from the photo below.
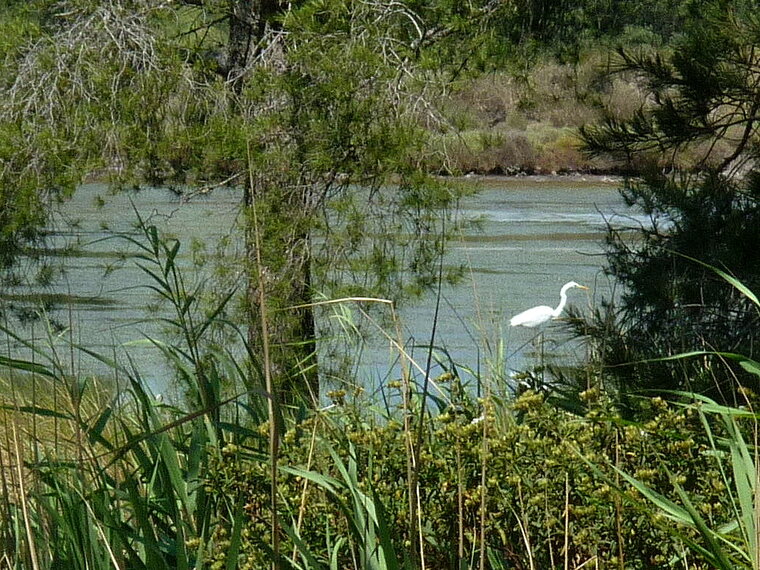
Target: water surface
(536, 234)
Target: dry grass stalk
(23, 498)
(272, 396)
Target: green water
(536, 235)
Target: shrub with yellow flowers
(533, 485)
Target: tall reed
(126, 488)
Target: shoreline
(573, 178)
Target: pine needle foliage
(693, 149)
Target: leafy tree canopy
(696, 146)
(314, 112)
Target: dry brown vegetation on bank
(502, 123)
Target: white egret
(543, 313)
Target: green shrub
(544, 502)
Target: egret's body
(536, 316)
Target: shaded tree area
(313, 111)
(565, 25)
(695, 145)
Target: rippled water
(535, 235)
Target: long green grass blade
(737, 284)
(744, 480)
(303, 549)
(95, 433)
(238, 522)
(335, 553)
(669, 508)
(170, 461)
(38, 411)
(26, 366)
(385, 545)
(716, 553)
(748, 364)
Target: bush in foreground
(550, 484)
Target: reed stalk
(272, 400)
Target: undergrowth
(553, 493)
(100, 475)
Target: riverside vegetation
(645, 457)
(97, 478)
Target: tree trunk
(248, 24)
(284, 267)
(284, 270)
(284, 277)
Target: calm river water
(536, 235)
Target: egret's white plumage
(543, 313)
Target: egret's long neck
(562, 302)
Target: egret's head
(572, 284)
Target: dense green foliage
(672, 303)
(696, 146)
(567, 24)
(142, 484)
(549, 495)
